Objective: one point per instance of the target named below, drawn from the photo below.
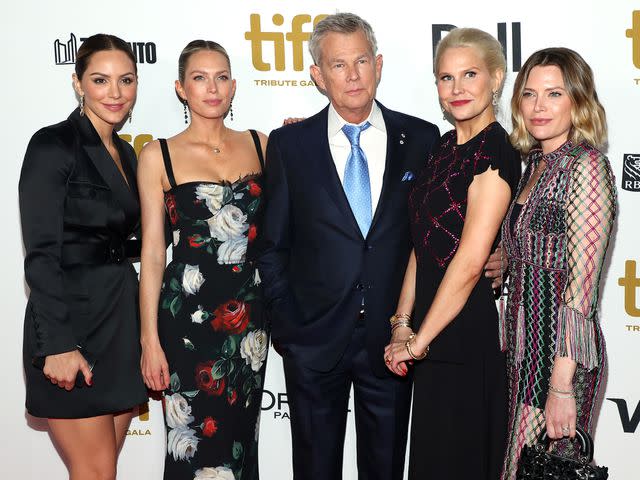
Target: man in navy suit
(336, 233)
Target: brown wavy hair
(588, 118)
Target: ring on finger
(565, 430)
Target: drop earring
(494, 100)
(186, 115)
(82, 105)
(231, 110)
(130, 114)
(444, 113)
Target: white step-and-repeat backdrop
(267, 43)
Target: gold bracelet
(411, 354)
(396, 317)
(400, 323)
(557, 390)
(562, 395)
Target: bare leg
(88, 446)
(121, 422)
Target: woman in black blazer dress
(79, 208)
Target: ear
(316, 74)
(378, 67)
(77, 85)
(498, 79)
(180, 90)
(233, 88)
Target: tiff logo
(629, 423)
(634, 34)
(65, 53)
(630, 282)
(516, 40)
(631, 172)
(296, 37)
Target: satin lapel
(325, 169)
(395, 150)
(99, 156)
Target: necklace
(217, 149)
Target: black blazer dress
(78, 215)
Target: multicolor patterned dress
(212, 329)
(556, 249)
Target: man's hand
(495, 266)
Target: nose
(352, 73)
(539, 104)
(213, 87)
(457, 86)
(114, 90)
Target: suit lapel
(104, 164)
(325, 169)
(395, 145)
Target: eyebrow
(547, 89)
(106, 75)
(202, 71)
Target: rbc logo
(631, 172)
(296, 37)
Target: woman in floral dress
(203, 336)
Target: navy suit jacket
(316, 265)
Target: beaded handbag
(536, 463)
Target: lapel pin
(407, 177)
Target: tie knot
(353, 132)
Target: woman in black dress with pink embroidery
(204, 339)
(456, 208)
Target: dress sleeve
(497, 153)
(590, 213)
(42, 191)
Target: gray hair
(339, 23)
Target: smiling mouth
(213, 103)
(114, 107)
(540, 121)
(459, 103)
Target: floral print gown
(212, 329)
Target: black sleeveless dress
(459, 420)
(212, 328)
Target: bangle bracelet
(401, 323)
(557, 390)
(410, 352)
(562, 395)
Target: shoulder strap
(167, 162)
(256, 140)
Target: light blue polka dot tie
(356, 178)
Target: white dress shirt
(373, 142)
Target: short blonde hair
(588, 118)
(489, 48)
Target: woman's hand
(396, 356)
(291, 120)
(560, 416)
(154, 366)
(62, 369)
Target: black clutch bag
(536, 463)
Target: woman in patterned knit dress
(204, 340)
(556, 235)
(459, 419)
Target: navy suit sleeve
(42, 192)
(276, 245)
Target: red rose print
(205, 381)
(232, 396)
(209, 427)
(236, 268)
(196, 241)
(231, 317)
(170, 202)
(253, 231)
(254, 189)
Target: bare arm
(487, 203)
(152, 263)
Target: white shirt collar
(336, 122)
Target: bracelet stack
(408, 344)
(556, 392)
(400, 320)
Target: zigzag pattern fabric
(556, 251)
